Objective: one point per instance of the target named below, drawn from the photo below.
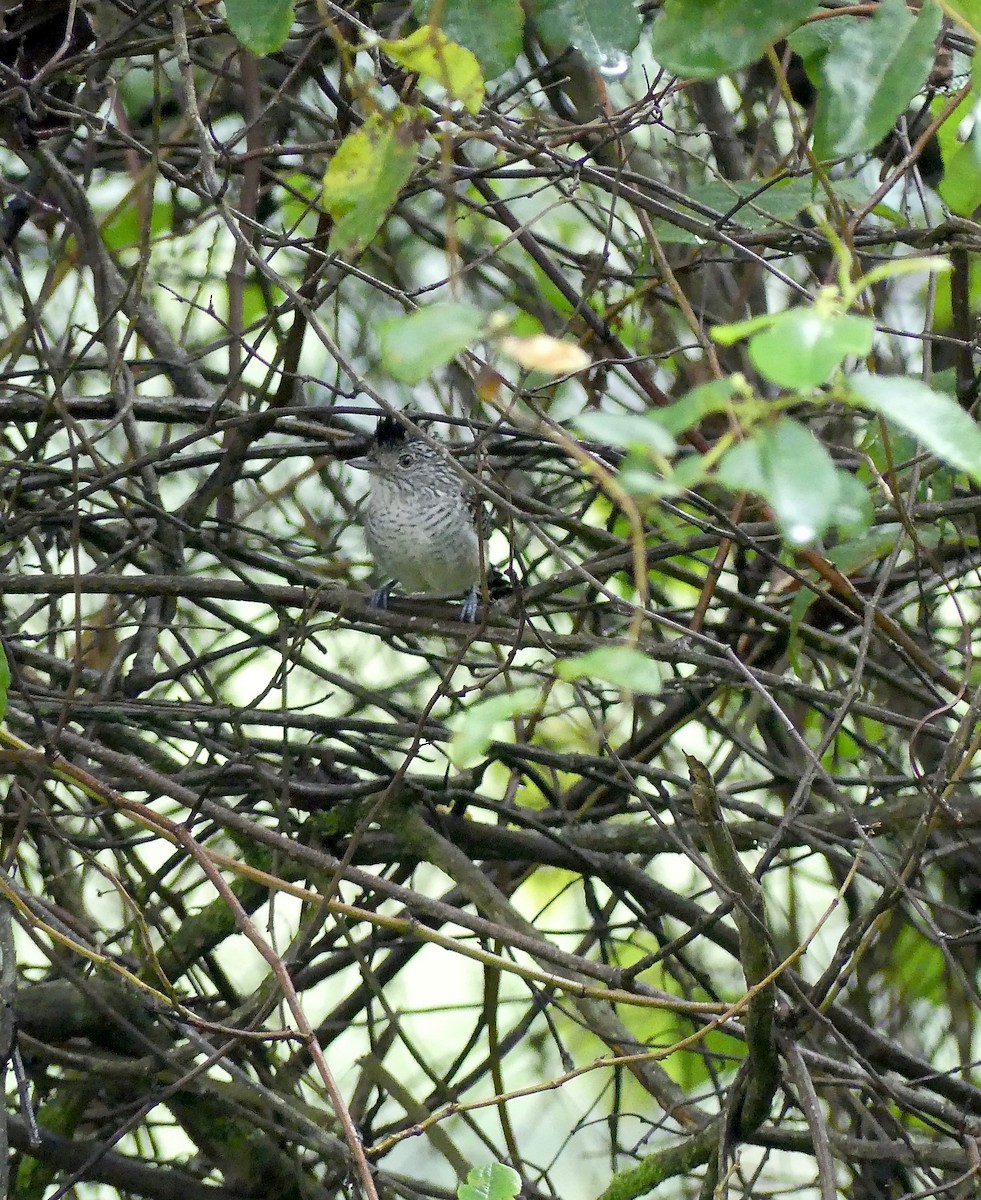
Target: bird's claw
(379, 597)
(468, 610)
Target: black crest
(389, 432)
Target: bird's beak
(362, 464)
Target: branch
(754, 948)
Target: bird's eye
(405, 460)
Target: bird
(420, 518)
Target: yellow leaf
(543, 353)
(364, 178)
(431, 54)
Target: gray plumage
(419, 518)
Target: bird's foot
(468, 610)
(379, 597)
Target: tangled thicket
(304, 898)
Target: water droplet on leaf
(800, 534)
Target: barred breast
(428, 544)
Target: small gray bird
(420, 518)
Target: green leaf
(637, 478)
(628, 430)
(126, 227)
(802, 483)
(484, 722)
(701, 402)
(907, 264)
(628, 668)
(934, 419)
(788, 466)
(867, 73)
(493, 1182)
(849, 557)
(805, 345)
(960, 188)
(967, 14)
(854, 191)
(856, 554)
(490, 29)
(728, 335)
(4, 681)
(756, 205)
(431, 54)
(413, 347)
(262, 26)
(853, 507)
(674, 235)
(299, 203)
(751, 203)
(920, 967)
(364, 178)
(741, 468)
(813, 41)
(604, 31)
(702, 39)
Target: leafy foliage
(867, 75)
(660, 876)
(622, 665)
(707, 38)
(604, 31)
(492, 1182)
(413, 347)
(491, 29)
(431, 55)
(365, 176)
(262, 26)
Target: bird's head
(398, 455)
